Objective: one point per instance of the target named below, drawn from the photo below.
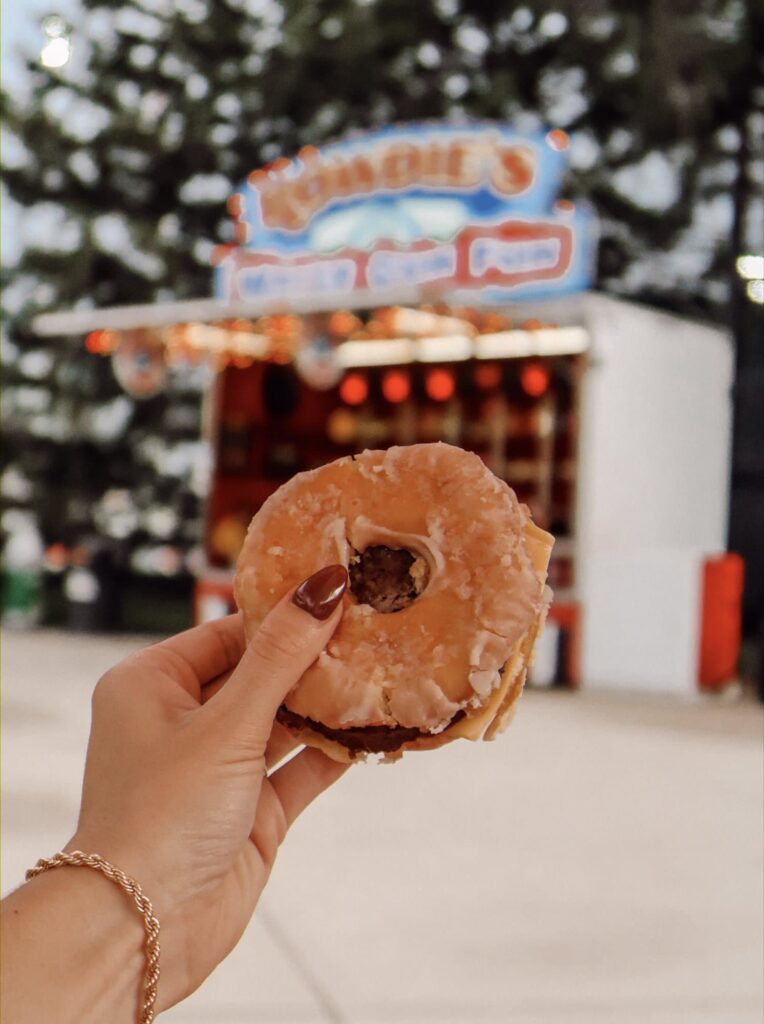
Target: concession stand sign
(429, 205)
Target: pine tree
(123, 160)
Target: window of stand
(520, 415)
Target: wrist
(173, 985)
(73, 950)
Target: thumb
(289, 640)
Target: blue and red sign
(433, 204)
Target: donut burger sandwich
(446, 597)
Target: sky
(21, 30)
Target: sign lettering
(471, 206)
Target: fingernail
(320, 593)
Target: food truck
(425, 283)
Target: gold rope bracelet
(128, 885)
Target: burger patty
(369, 739)
(388, 579)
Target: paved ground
(600, 864)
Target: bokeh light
(750, 267)
(534, 379)
(558, 139)
(56, 52)
(396, 386)
(354, 389)
(440, 385)
(341, 426)
(101, 342)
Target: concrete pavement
(601, 862)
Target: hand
(175, 790)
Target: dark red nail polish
(320, 593)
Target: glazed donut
(446, 597)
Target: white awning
(567, 310)
(164, 314)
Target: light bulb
(56, 52)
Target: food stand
(426, 283)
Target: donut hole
(388, 579)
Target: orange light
(488, 376)
(491, 322)
(385, 317)
(101, 342)
(281, 325)
(440, 385)
(396, 386)
(558, 139)
(342, 323)
(56, 556)
(531, 325)
(377, 329)
(354, 389)
(341, 426)
(534, 379)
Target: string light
(343, 323)
(101, 342)
(534, 379)
(396, 386)
(440, 385)
(281, 338)
(354, 389)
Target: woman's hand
(175, 790)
